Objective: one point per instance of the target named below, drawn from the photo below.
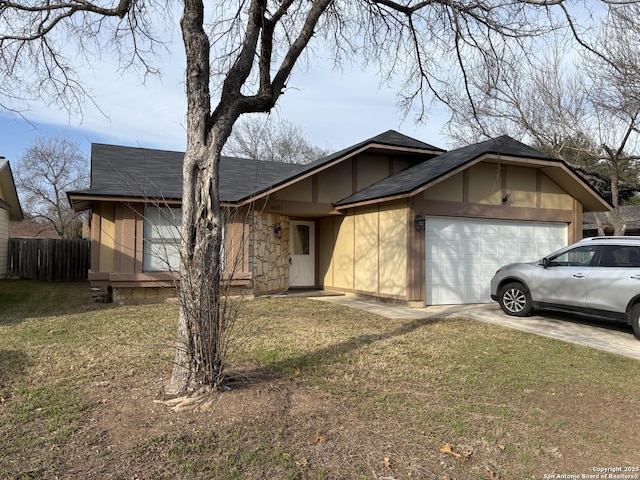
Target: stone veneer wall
(270, 254)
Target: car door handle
(578, 275)
(635, 277)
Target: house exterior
(10, 210)
(390, 217)
(595, 220)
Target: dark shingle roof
(409, 180)
(146, 173)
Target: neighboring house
(10, 210)
(390, 217)
(630, 214)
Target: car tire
(634, 318)
(515, 300)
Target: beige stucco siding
(370, 170)
(393, 248)
(485, 184)
(366, 251)
(343, 254)
(490, 183)
(521, 187)
(4, 241)
(552, 196)
(326, 241)
(449, 190)
(366, 248)
(301, 191)
(335, 183)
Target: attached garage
(462, 254)
(469, 211)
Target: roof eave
(81, 201)
(9, 188)
(555, 169)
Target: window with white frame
(161, 239)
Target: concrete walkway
(599, 334)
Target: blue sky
(334, 109)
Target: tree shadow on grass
(22, 299)
(320, 357)
(12, 364)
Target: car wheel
(515, 299)
(635, 320)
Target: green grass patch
(320, 392)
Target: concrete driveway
(599, 334)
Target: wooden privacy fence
(50, 259)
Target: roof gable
(414, 178)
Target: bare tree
(46, 171)
(240, 57)
(261, 137)
(582, 107)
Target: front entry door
(302, 259)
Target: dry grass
(319, 392)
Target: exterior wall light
(277, 230)
(420, 222)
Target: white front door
(302, 254)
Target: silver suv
(597, 276)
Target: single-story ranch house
(390, 217)
(10, 211)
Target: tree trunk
(199, 353)
(615, 217)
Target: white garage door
(462, 254)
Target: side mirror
(544, 262)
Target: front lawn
(319, 392)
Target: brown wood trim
(504, 191)
(125, 234)
(498, 212)
(139, 240)
(145, 284)
(97, 276)
(368, 294)
(465, 186)
(295, 208)
(144, 277)
(124, 199)
(415, 256)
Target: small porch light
(277, 230)
(420, 222)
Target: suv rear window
(620, 256)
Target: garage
(462, 254)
